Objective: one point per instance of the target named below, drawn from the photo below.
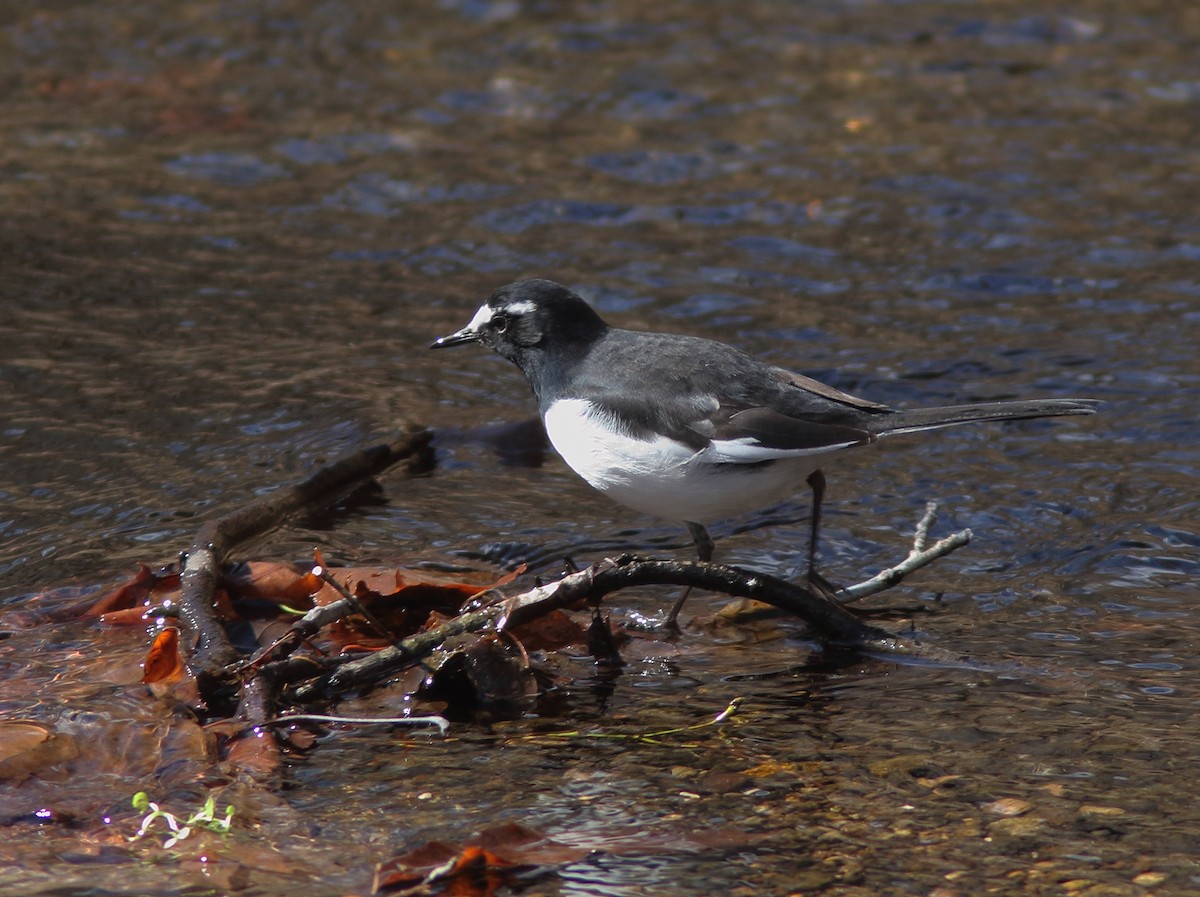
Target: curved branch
(213, 656)
(833, 623)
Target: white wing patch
(749, 450)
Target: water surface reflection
(230, 232)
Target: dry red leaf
(486, 862)
(524, 845)
(224, 605)
(401, 873)
(130, 616)
(255, 752)
(470, 872)
(19, 736)
(28, 747)
(392, 582)
(402, 600)
(551, 632)
(135, 591)
(164, 663)
(507, 578)
(272, 581)
(405, 583)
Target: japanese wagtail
(690, 429)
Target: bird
(689, 429)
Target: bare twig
(921, 533)
(918, 557)
(439, 721)
(355, 605)
(214, 659)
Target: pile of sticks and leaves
(351, 630)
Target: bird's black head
(530, 318)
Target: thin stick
(441, 722)
(918, 557)
(921, 533)
(214, 656)
(355, 604)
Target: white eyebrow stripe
(523, 307)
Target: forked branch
(918, 557)
(830, 621)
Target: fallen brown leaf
(164, 663)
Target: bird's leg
(704, 550)
(704, 542)
(817, 583)
(816, 481)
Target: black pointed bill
(466, 335)
(469, 334)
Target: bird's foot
(819, 585)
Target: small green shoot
(205, 818)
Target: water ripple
(231, 169)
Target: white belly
(665, 478)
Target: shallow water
(230, 232)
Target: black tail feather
(915, 419)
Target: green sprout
(205, 818)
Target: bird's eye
(500, 323)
